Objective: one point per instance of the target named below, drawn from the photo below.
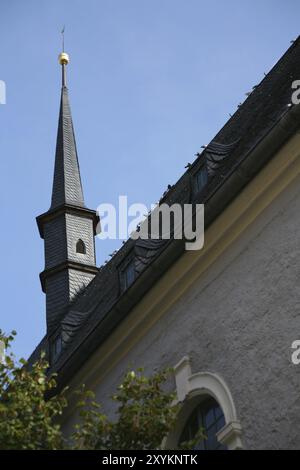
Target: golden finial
(63, 57)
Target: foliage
(144, 411)
(27, 420)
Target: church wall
(238, 320)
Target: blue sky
(149, 83)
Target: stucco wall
(239, 321)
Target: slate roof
(67, 187)
(102, 305)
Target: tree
(145, 412)
(145, 415)
(27, 420)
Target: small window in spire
(80, 247)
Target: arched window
(209, 418)
(206, 402)
(80, 247)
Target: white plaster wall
(239, 321)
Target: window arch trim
(193, 387)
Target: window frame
(200, 171)
(198, 419)
(126, 263)
(125, 269)
(54, 351)
(82, 246)
(190, 388)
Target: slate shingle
(67, 187)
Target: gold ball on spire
(63, 58)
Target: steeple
(68, 227)
(67, 187)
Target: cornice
(66, 209)
(86, 268)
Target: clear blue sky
(150, 82)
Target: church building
(226, 316)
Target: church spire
(67, 187)
(68, 227)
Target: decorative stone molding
(230, 435)
(183, 372)
(191, 388)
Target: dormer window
(201, 178)
(80, 247)
(128, 275)
(55, 348)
